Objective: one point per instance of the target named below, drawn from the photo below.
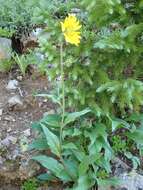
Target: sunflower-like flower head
(70, 29)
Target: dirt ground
(32, 108)
(15, 122)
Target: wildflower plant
(65, 134)
(92, 74)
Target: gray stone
(37, 32)
(12, 85)
(8, 140)
(131, 181)
(20, 78)
(27, 133)
(14, 101)
(1, 110)
(5, 48)
(9, 118)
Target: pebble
(50, 112)
(20, 78)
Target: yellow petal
(70, 28)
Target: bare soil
(14, 121)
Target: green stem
(63, 91)
(63, 109)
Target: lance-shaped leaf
(52, 141)
(71, 117)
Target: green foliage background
(16, 16)
(105, 72)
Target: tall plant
(102, 73)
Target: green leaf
(136, 135)
(39, 144)
(52, 141)
(104, 183)
(79, 154)
(70, 145)
(50, 163)
(64, 176)
(84, 183)
(84, 165)
(36, 126)
(86, 162)
(52, 120)
(46, 177)
(71, 117)
(135, 160)
(118, 123)
(72, 166)
(136, 117)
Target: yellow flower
(70, 28)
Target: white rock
(20, 78)
(27, 132)
(9, 118)
(131, 181)
(36, 32)
(12, 85)
(15, 100)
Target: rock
(120, 167)
(5, 48)
(20, 78)
(1, 160)
(75, 10)
(50, 112)
(1, 110)
(27, 133)
(9, 129)
(15, 153)
(15, 101)
(8, 140)
(28, 169)
(9, 118)
(130, 181)
(12, 85)
(37, 32)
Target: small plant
(23, 61)
(6, 33)
(6, 65)
(31, 184)
(119, 145)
